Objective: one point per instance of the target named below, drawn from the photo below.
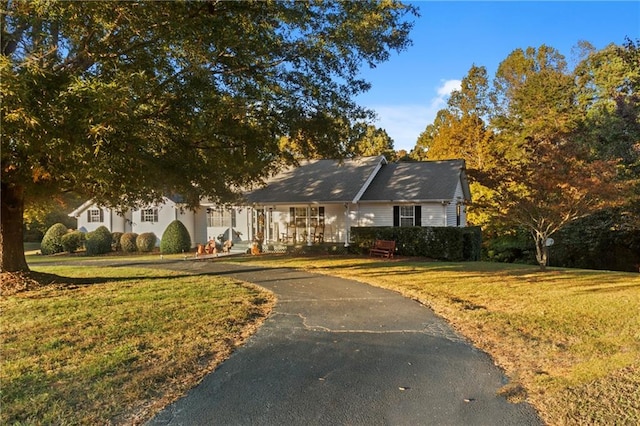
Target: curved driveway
(339, 352)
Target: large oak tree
(124, 102)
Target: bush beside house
(52, 240)
(175, 238)
(115, 241)
(128, 242)
(72, 241)
(98, 241)
(146, 241)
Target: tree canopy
(545, 145)
(124, 102)
(374, 141)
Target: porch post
(250, 224)
(308, 226)
(231, 224)
(346, 224)
(267, 222)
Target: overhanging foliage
(126, 102)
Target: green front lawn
(113, 345)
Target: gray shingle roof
(329, 181)
(320, 181)
(421, 181)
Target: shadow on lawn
(17, 282)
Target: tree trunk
(542, 251)
(11, 222)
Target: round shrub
(52, 240)
(72, 241)
(115, 241)
(98, 241)
(128, 242)
(146, 241)
(175, 238)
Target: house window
(215, 217)
(95, 216)
(149, 215)
(299, 216)
(218, 218)
(407, 215)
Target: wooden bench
(383, 248)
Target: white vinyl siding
(375, 215)
(432, 214)
(155, 218)
(452, 209)
(382, 215)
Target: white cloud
(447, 87)
(405, 122)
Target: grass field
(112, 345)
(115, 344)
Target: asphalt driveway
(338, 352)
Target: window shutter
(88, 215)
(292, 215)
(101, 216)
(417, 216)
(396, 215)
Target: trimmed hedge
(72, 241)
(443, 243)
(52, 240)
(115, 241)
(128, 242)
(98, 241)
(146, 241)
(608, 239)
(175, 238)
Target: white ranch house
(319, 201)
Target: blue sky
(450, 36)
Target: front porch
(276, 225)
